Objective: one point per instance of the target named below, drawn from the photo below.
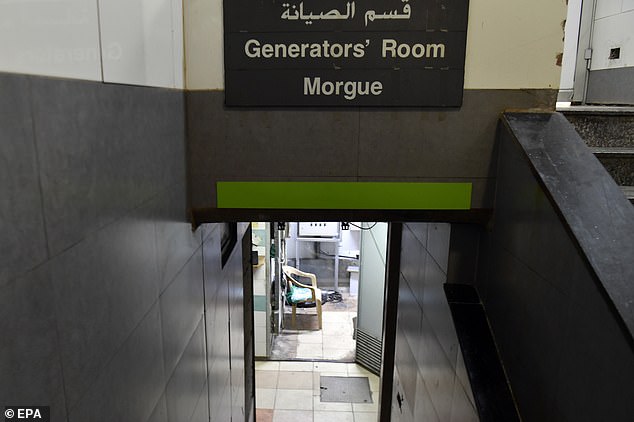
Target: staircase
(609, 132)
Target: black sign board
(345, 52)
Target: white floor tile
(333, 417)
(266, 365)
(296, 366)
(354, 369)
(265, 398)
(294, 399)
(292, 416)
(331, 367)
(367, 417)
(266, 379)
(291, 380)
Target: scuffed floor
(290, 391)
(334, 342)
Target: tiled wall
(348, 145)
(566, 355)
(430, 381)
(101, 277)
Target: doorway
(295, 357)
(340, 269)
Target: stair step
(613, 152)
(628, 191)
(597, 110)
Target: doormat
(345, 389)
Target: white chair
(297, 292)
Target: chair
(297, 292)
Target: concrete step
(614, 152)
(628, 191)
(603, 126)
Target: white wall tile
(607, 8)
(612, 32)
(260, 319)
(54, 38)
(140, 43)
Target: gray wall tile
(438, 373)
(160, 411)
(112, 166)
(410, 314)
(104, 149)
(181, 309)
(424, 409)
(405, 364)
(438, 244)
(201, 414)
(103, 287)
(186, 383)
(363, 145)
(21, 220)
(427, 344)
(462, 410)
(29, 355)
(175, 240)
(455, 143)
(132, 382)
(566, 354)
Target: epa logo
(27, 413)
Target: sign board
(345, 52)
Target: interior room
(318, 290)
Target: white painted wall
(573, 20)
(56, 38)
(139, 41)
(142, 42)
(511, 44)
(613, 28)
(514, 44)
(372, 279)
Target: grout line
(103, 76)
(39, 171)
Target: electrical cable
(340, 256)
(364, 228)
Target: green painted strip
(344, 195)
(259, 303)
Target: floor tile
(354, 369)
(267, 365)
(290, 380)
(266, 379)
(337, 342)
(316, 384)
(375, 382)
(337, 323)
(292, 416)
(331, 367)
(265, 398)
(294, 399)
(340, 329)
(333, 417)
(346, 355)
(366, 417)
(309, 351)
(310, 338)
(331, 406)
(296, 366)
(264, 415)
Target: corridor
(289, 391)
